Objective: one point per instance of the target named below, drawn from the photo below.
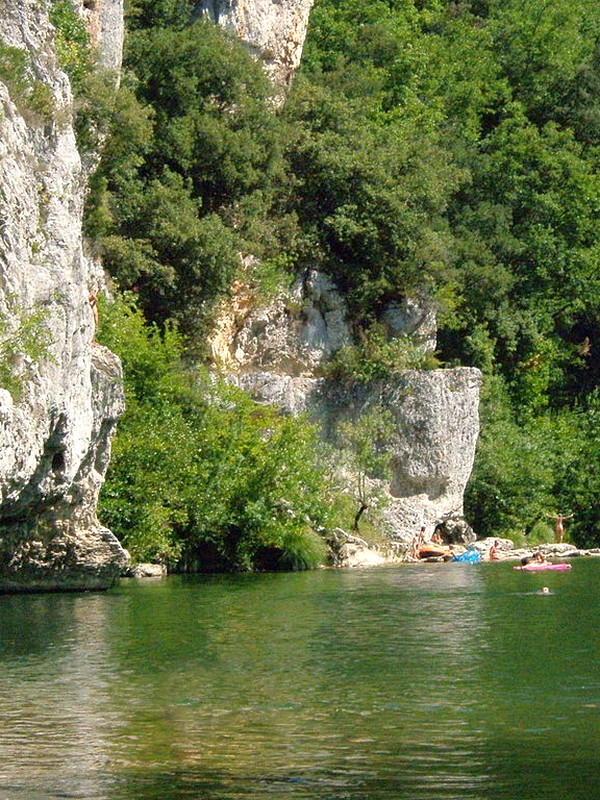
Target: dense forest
(426, 146)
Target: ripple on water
(434, 682)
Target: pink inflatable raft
(533, 567)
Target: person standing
(418, 542)
(559, 528)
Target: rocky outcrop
(291, 337)
(105, 22)
(276, 352)
(349, 551)
(414, 317)
(432, 447)
(273, 29)
(146, 571)
(57, 421)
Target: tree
(201, 475)
(366, 443)
(191, 170)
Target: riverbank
(352, 552)
(348, 551)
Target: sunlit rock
(57, 421)
(291, 336)
(274, 30)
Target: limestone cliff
(105, 22)
(276, 351)
(273, 29)
(56, 425)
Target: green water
(413, 682)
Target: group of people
(419, 542)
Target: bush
(200, 473)
(190, 171)
(33, 98)
(23, 335)
(519, 468)
(376, 357)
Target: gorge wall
(57, 421)
(277, 351)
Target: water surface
(416, 682)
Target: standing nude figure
(93, 301)
(559, 530)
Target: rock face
(275, 353)
(106, 25)
(290, 337)
(56, 428)
(273, 29)
(432, 447)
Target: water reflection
(54, 694)
(412, 682)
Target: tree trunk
(359, 513)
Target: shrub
(377, 357)
(23, 334)
(33, 98)
(200, 473)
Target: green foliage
(33, 98)
(370, 193)
(542, 46)
(520, 468)
(579, 482)
(93, 87)
(94, 108)
(377, 357)
(24, 335)
(72, 40)
(200, 474)
(191, 168)
(143, 14)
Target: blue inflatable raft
(470, 556)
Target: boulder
(146, 571)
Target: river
(417, 682)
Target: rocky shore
(350, 551)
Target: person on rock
(494, 551)
(437, 535)
(418, 542)
(93, 301)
